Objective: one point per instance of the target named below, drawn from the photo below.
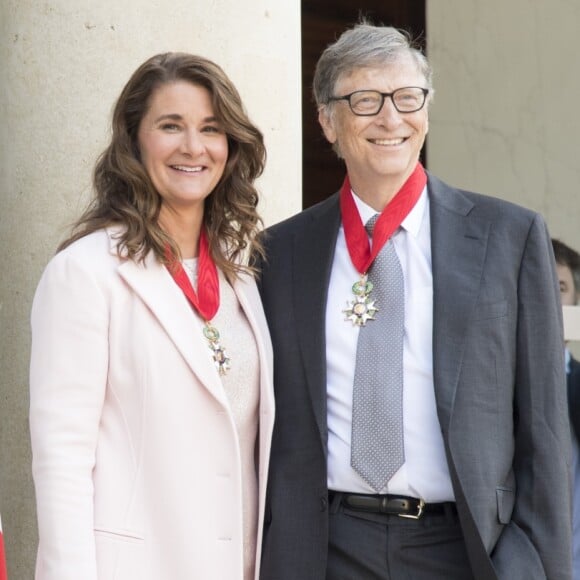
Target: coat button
(323, 503)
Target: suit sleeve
(542, 512)
(68, 375)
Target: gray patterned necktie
(377, 447)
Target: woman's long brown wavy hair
(125, 195)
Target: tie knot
(370, 225)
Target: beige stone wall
(62, 64)
(504, 120)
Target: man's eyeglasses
(368, 103)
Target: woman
(151, 360)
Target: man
(439, 343)
(568, 270)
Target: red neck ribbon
(390, 219)
(207, 299)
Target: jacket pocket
(121, 554)
(121, 535)
(505, 504)
(491, 310)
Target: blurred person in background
(568, 270)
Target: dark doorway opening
(322, 22)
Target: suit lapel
(459, 243)
(153, 284)
(458, 248)
(313, 256)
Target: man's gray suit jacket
(498, 378)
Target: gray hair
(364, 45)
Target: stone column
(62, 65)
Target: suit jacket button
(323, 503)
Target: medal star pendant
(221, 359)
(361, 308)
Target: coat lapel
(153, 284)
(313, 256)
(458, 249)
(249, 299)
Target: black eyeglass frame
(383, 97)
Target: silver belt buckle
(419, 513)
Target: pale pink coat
(135, 453)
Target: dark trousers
(368, 546)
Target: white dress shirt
(425, 472)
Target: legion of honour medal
(221, 359)
(362, 308)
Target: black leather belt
(396, 505)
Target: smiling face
(183, 147)
(380, 151)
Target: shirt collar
(411, 223)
